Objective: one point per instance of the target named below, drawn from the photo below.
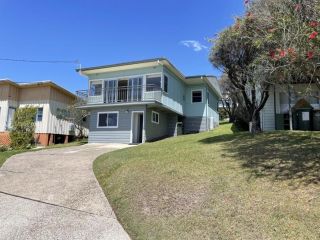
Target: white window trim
(196, 90)
(154, 74)
(98, 116)
(98, 81)
(154, 112)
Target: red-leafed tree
(276, 42)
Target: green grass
(7, 154)
(217, 185)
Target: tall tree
(276, 42)
(288, 33)
(235, 53)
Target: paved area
(53, 194)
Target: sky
(100, 32)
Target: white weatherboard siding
(268, 112)
(49, 123)
(55, 125)
(41, 127)
(268, 115)
(3, 115)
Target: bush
(3, 148)
(23, 128)
(223, 114)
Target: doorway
(122, 90)
(137, 127)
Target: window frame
(95, 82)
(150, 75)
(37, 116)
(158, 114)
(8, 116)
(109, 112)
(196, 90)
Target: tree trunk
(231, 118)
(255, 124)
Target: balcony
(143, 93)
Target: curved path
(53, 194)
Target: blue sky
(105, 32)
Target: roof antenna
(80, 67)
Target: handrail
(121, 94)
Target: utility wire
(38, 61)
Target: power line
(39, 61)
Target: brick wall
(4, 138)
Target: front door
(137, 127)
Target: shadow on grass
(280, 155)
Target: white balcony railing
(121, 95)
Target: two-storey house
(48, 98)
(146, 100)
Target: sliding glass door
(135, 89)
(123, 90)
(110, 90)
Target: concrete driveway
(53, 194)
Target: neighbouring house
(147, 100)
(304, 100)
(47, 97)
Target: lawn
(5, 155)
(217, 185)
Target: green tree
(23, 128)
(288, 30)
(235, 53)
(276, 42)
(76, 116)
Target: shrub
(3, 148)
(23, 128)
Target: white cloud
(195, 45)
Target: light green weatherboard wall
(195, 109)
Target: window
(95, 88)
(155, 117)
(39, 115)
(197, 96)
(11, 112)
(153, 82)
(108, 120)
(165, 83)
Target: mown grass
(217, 185)
(7, 154)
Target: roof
(211, 80)
(36, 84)
(122, 64)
